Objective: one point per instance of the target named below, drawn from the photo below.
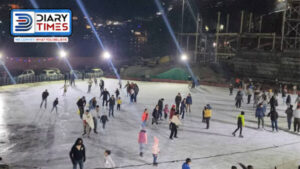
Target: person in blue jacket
(260, 114)
(187, 163)
(189, 102)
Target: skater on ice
(207, 115)
(166, 111)
(178, 100)
(119, 102)
(105, 95)
(112, 102)
(81, 104)
(55, 103)
(289, 116)
(183, 108)
(90, 83)
(189, 102)
(88, 123)
(142, 140)
(145, 117)
(187, 164)
(108, 163)
(240, 124)
(77, 154)
(155, 151)
(103, 120)
(45, 95)
(174, 124)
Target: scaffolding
(291, 26)
(224, 45)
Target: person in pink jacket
(142, 140)
(155, 150)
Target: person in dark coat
(178, 99)
(105, 97)
(103, 120)
(136, 92)
(101, 85)
(203, 111)
(183, 108)
(273, 116)
(81, 104)
(112, 102)
(238, 99)
(160, 107)
(288, 100)
(45, 95)
(260, 114)
(273, 103)
(230, 89)
(189, 102)
(155, 115)
(77, 154)
(55, 103)
(117, 92)
(289, 115)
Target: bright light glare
(62, 54)
(106, 55)
(184, 57)
(1, 55)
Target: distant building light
(170, 8)
(206, 28)
(94, 23)
(99, 25)
(214, 44)
(116, 23)
(158, 13)
(75, 18)
(132, 31)
(221, 27)
(88, 27)
(137, 33)
(109, 22)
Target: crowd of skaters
(90, 114)
(269, 98)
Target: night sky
(130, 9)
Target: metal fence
(40, 78)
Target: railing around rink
(41, 78)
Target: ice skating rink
(35, 138)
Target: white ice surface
(30, 137)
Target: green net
(173, 74)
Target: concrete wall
(267, 65)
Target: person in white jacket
(108, 163)
(297, 119)
(174, 123)
(88, 123)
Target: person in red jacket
(172, 111)
(145, 117)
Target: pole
(196, 39)
(241, 30)
(227, 23)
(250, 22)
(182, 19)
(242, 22)
(260, 27)
(283, 29)
(217, 37)
(274, 41)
